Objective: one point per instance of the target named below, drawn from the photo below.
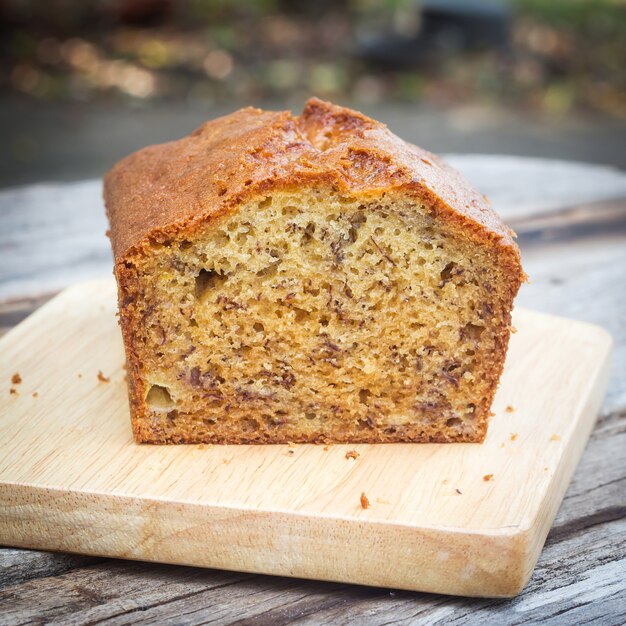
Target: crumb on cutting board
(352, 454)
(13, 391)
(102, 378)
(555, 438)
(488, 477)
(325, 448)
(35, 394)
(16, 379)
(459, 491)
(513, 436)
(509, 409)
(365, 503)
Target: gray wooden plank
(12, 312)
(107, 591)
(583, 279)
(50, 237)
(523, 187)
(18, 565)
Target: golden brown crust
(164, 189)
(160, 189)
(409, 434)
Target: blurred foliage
(581, 45)
(564, 55)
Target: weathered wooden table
(571, 221)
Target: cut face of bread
(314, 313)
(308, 316)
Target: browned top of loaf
(154, 192)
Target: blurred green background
(84, 83)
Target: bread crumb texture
(307, 316)
(365, 503)
(316, 313)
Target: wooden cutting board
(462, 519)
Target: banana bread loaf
(307, 279)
